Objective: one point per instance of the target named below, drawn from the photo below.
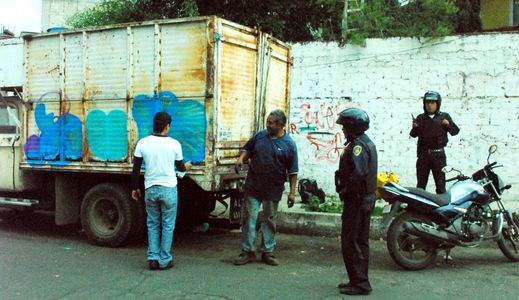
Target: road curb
(314, 223)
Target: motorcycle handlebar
(490, 165)
(451, 179)
(458, 177)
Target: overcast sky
(20, 15)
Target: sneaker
(169, 265)
(269, 259)
(245, 257)
(153, 265)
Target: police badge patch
(357, 150)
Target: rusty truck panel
(93, 93)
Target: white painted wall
(477, 76)
(55, 13)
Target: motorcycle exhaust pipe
(430, 233)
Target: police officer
(355, 181)
(431, 128)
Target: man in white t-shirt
(161, 155)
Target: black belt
(439, 150)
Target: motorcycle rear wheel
(509, 242)
(409, 251)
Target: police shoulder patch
(357, 150)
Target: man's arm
(292, 169)
(244, 156)
(415, 130)
(181, 166)
(451, 127)
(292, 179)
(136, 173)
(360, 161)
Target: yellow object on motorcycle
(382, 179)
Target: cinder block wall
(477, 76)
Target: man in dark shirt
(431, 128)
(273, 158)
(356, 181)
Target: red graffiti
(293, 129)
(323, 119)
(326, 149)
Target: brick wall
(477, 76)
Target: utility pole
(350, 6)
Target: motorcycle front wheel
(409, 251)
(509, 242)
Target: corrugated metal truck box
(93, 93)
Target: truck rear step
(17, 202)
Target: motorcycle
(421, 223)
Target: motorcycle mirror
(447, 169)
(492, 149)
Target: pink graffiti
(323, 118)
(326, 149)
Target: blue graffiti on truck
(188, 124)
(107, 135)
(60, 137)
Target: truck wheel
(106, 214)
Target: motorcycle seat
(441, 199)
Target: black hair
(279, 116)
(160, 121)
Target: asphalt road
(41, 261)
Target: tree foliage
(291, 20)
(109, 12)
(296, 20)
(393, 18)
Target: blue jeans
(251, 208)
(161, 209)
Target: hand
(136, 194)
(188, 165)
(237, 166)
(291, 200)
(445, 123)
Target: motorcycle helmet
(432, 96)
(355, 121)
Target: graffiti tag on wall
(315, 121)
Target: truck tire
(106, 214)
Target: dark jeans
(355, 242)
(431, 161)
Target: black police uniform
(432, 138)
(356, 182)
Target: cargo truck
(74, 104)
